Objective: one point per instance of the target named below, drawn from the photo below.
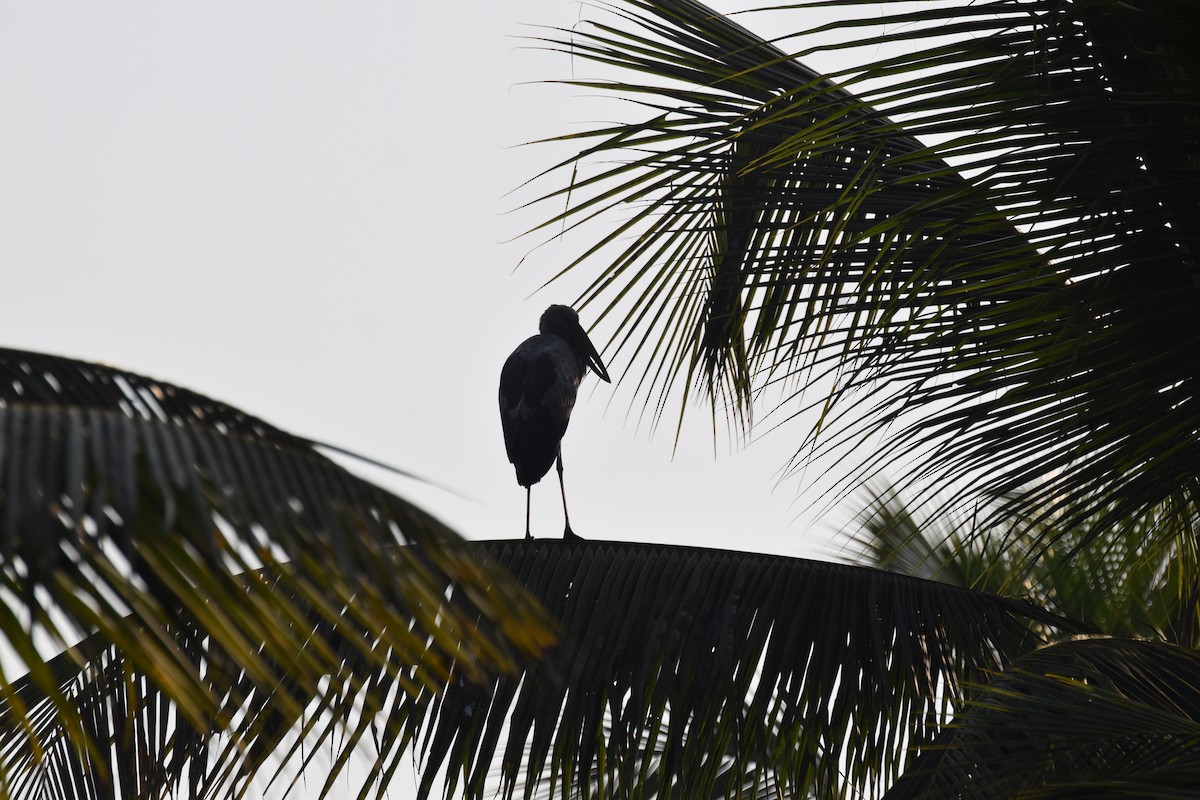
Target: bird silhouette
(537, 392)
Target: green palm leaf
(1089, 717)
(1132, 577)
(988, 251)
(143, 746)
(136, 510)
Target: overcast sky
(300, 208)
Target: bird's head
(562, 321)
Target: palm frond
(141, 746)
(1133, 577)
(679, 672)
(988, 251)
(683, 669)
(1088, 717)
(937, 544)
(137, 510)
(731, 779)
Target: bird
(538, 385)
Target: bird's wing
(537, 393)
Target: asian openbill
(537, 392)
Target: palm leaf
(731, 779)
(143, 746)
(1089, 717)
(987, 252)
(936, 544)
(132, 508)
(680, 670)
(1135, 578)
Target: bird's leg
(567, 533)
(528, 492)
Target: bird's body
(538, 385)
(537, 390)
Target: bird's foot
(528, 535)
(571, 536)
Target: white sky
(298, 207)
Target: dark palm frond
(1133, 577)
(1081, 718)
(730, 780)
(151, 752)
(136, 509)
(679, 672)
(684, 669)
(988, 252)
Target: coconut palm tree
(980, 250)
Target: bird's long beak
(592, 357)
